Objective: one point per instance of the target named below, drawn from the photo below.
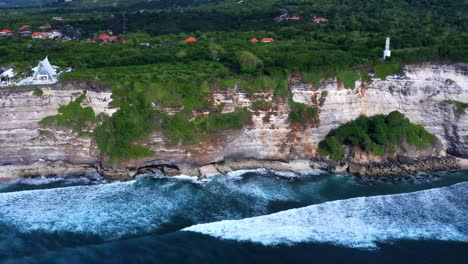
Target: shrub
(348, 78)
(375, 135)
(38, 92)
(383, 70)
(249, 63)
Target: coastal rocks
(404, 166)
(43, 168)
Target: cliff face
(417, 93)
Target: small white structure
(387, 52)
(7, 76)
(44, 73)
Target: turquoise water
(87, 221)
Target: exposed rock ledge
(400, 166)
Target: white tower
(387, 51)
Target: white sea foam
(239, 173)
(439, 214)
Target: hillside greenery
(72, 115)
(172, 73)
(377, 134)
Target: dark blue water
(141, 221)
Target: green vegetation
(72, 115)
(383, 70)
(459, 106)
(301, 114)
(38, 92)
(177, 129)
(376, 134)
(261, 105)
(365, 77)
(348, 78)
(171, 73)
(323, 97)
(315, 77)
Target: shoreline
(394, 168)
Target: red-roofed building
(114, 38)
(46, 26)
(320, 19)
(254, 40)
(24, 27)
(37, 35)
(294, 17)
(104, 37)
(190, 39)
(268, 40)
(6, 32)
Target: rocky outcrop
(417, 93)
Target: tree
(249, 63)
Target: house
(294, 17)
(190, 39)
(254, 40)
(104, 37)
(37, 35)
(7, 75)
(114, 38)
(25, 32)
(282, 17)
(24, 27)
(320, 19)
(268, 40)
(146, 44)
(46, 26)
(44, 73)
(55, 34)
(57, 18)
(6, 32)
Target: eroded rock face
(417, 93)
(24, 142)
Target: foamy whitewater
(435, 214)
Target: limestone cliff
(417, 93)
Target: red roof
(25, 26)
(6, 31)
(295, 17)
(254, 40)
(320, 19)
(190, 39)
(268, 39)
(114, 37)
(104, 36)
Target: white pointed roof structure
(44, 73)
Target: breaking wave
(435, 214)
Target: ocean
(253, 216)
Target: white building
(44, 73)
(387, 52)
